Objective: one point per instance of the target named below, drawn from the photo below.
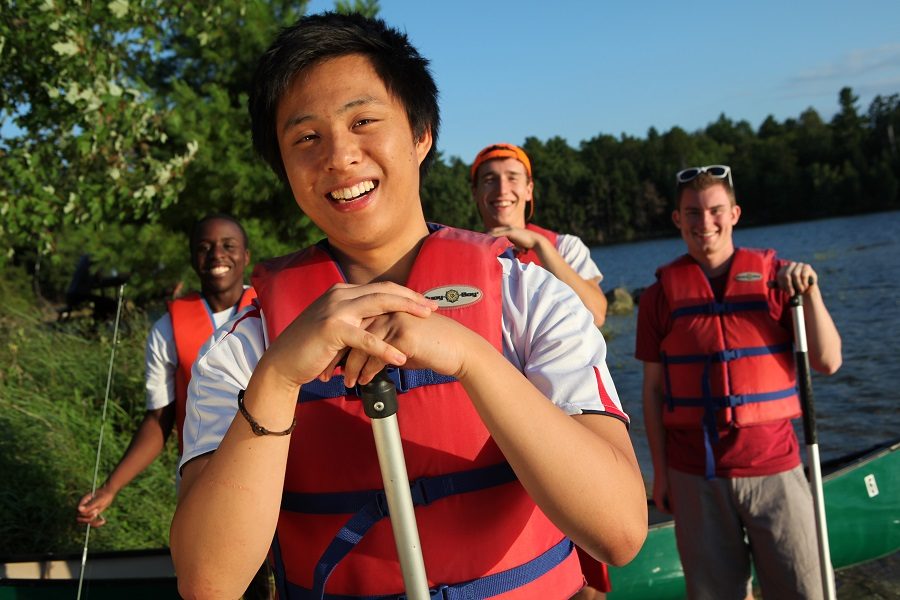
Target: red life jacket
(473, 535)
(730, 361)
(530, 256)
(192, 324)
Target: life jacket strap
(370, 506)
(483, 587)
(424, 490)
(731, 400)
(404, 380)
(727, 355)
(719, 308)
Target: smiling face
(351, 158)
(706, 219)
(219, 255)
(502, 191)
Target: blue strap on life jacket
(728, 355)
(370, 506)
(476, 589)
(712, 403)
(719, 308)
(424, 491)
(278, 568)
(404, 380)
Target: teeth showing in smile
(351, 193)
(219, 270)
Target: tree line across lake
(131, 123)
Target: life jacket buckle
(396, 375)
(418, 491)
(440, 593)
(728, 355)
(381, 503)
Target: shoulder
(651, 295)
(569, 241)
(161, 330)
(533, 298)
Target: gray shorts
(721, 523)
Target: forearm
(823, 339)
(598, 499)
(228, 506)
(653, 424)
(587, 290)
(148, 441)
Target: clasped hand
(363, 328)
(796, 278)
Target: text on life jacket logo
(454, 296)
(748, 276)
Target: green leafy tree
(368, 8)
(447, 195)
(92, 146)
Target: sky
(511, 70)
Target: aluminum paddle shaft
(804, 383)
(379, 399)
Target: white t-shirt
(578, 256)
(547, 334)
(161, 357)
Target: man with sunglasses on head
(503, 190)
(713, 328)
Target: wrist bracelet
(256, 427)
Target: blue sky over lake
(508, 70)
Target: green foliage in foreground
(52, 384)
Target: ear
(246, 257)
(735, 214)
(676, 218)
(423, 145)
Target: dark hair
(195, 230)
(700, 183)
(319, 37)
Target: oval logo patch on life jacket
(748, 276)
(454, 296)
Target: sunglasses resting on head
(717, 171)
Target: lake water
(858, 263)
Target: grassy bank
(52, 384)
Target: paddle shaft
(109, 376)
(804, 384)
(379, 399)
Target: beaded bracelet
(256, 427)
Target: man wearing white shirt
(219, 256)
(503, 189)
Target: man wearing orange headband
(503, 189)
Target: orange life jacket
(192, 324)
(476, 523)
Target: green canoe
(862, 510)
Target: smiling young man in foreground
(510, 421)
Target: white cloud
(853, 65)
